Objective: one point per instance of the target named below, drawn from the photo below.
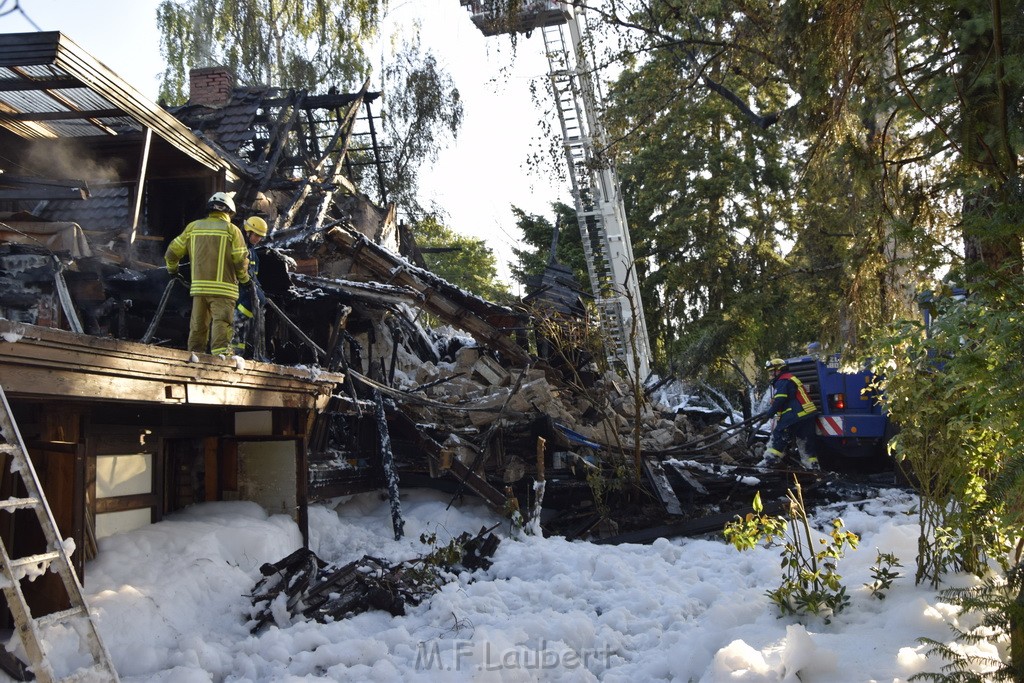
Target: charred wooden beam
(387, 458)
(315, 590)
(370, 292)
(691, 527)
(448, 305)
(466, 476)
(338, 148)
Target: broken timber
(450, 306)
(387, 458)
(691, 527)
(456, 468)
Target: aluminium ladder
(600, 213)
(595, 188)
(54, 558)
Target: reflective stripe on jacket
(218, 253)
(791, 399)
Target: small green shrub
(883, 574)
(811, 583)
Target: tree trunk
(986, 152)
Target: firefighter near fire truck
(795, 416)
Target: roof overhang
(42, 362)
(51, 88)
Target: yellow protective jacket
(220, 259)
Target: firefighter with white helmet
(219, 263)
(796, 416)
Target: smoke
(69, 160)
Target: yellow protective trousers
(218, 311)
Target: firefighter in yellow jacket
(220, 262)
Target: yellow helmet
(775, 364)
(256, 224)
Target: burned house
(121, 425)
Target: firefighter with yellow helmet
(256, 229)
(796, 417)
(219, 263)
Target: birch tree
(310, 44)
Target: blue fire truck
(852, 427)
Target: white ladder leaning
(29, 628)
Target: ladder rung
(35, 559)
(17, 503)
(61, 616)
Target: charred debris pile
(302, 586)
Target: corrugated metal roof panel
(52, 58)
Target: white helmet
(221, 199)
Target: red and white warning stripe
(830, 426)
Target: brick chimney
(210, 85)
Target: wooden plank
(662, 488)
(35, 381)
(257, 397)
(158, 482)
(78, 512)
(478, 485)
(118, 354)
(46, 362)
(138, 501)
(91, 550)
(393, 269)
(302, 488)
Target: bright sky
(171, 606)
(477, 181)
